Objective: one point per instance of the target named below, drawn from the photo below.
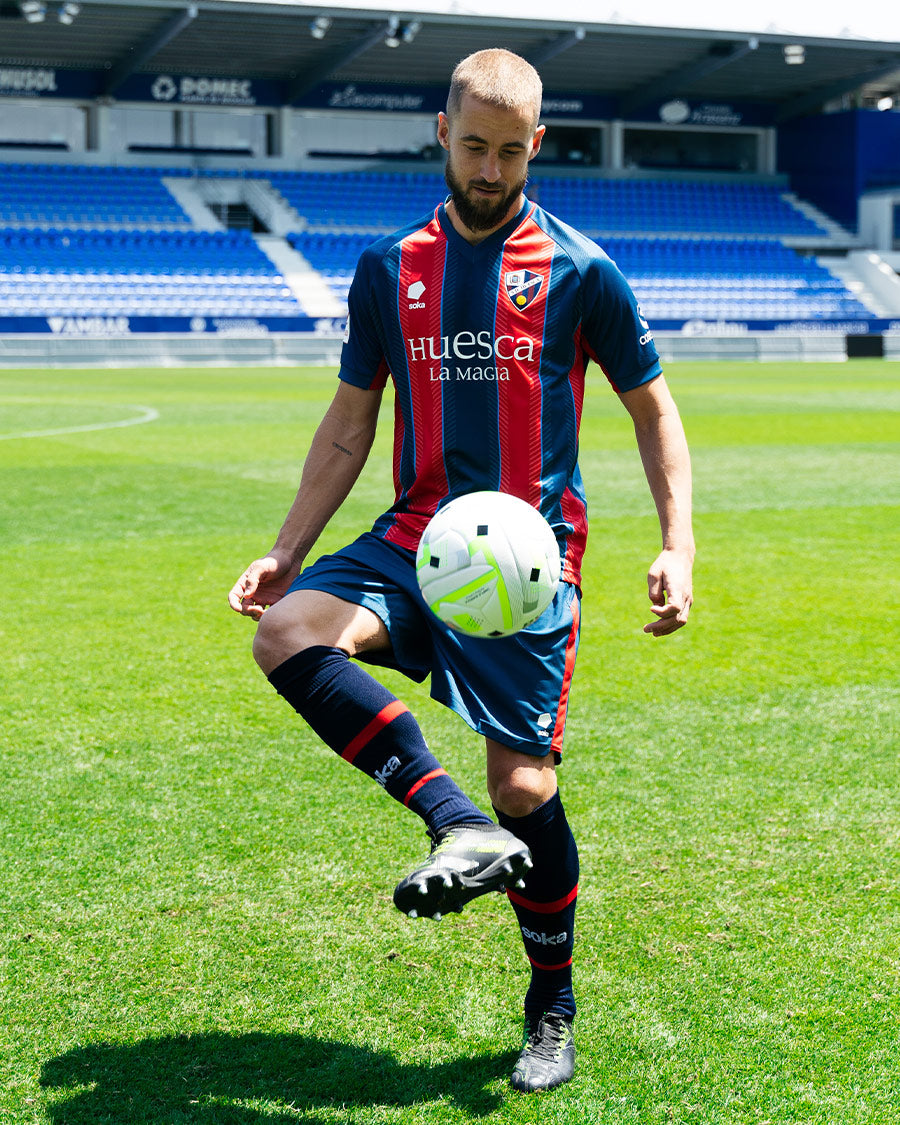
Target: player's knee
(279, 636)
(521, 792)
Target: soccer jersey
(487, 345)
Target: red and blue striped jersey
(487, 346)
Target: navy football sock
(366, 725)
(545, 906)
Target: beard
(475, 212)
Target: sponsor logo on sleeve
(648, 335)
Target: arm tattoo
(342, 448)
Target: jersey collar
(472, 250)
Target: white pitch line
(148, 414)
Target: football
(488, 564)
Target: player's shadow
(216, 1078)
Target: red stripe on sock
(544, 907)
(386, 715)
(422, 781)
(550, 968)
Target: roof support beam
(335, 59)
(553, 47)
(126, 66)
(815, 99)
(679, 80)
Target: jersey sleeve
(363, 363)
(615, 334)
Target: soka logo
(522, 286)
(414, 293)
(648, 335)
(390, 766)
(544, 939)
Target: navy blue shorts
(511, 689)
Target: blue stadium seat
(65, 249)
(674, 278)
(121, 272)
(87, 195)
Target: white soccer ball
(488, 564)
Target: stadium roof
(629, 63)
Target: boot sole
(433, 892)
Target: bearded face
(481, 205)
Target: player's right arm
(336, 458)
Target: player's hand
(264, 582)
(671, 596)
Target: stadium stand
(108, 273)
(384, 201)
(37, 195)
(360, 200)
(95, 240)
(674, 278)
(741, 196)
(739, 269)
(752, 279)
(674, 206)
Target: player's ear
(443, 131)
(536, 141)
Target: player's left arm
(667, 465)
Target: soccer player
(484, 314)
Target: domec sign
(187, 89)
(203, 91)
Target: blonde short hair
(498, 78)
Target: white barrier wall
(161, 350)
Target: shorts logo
(522, 286)
(413, 293)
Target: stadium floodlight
(794, 54)
(34, 11)
(392, 35)
(68, 11)
(885, 103)
(411, 30)
(318, 29)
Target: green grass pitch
(196, 896)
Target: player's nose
(490, 168)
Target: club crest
(522, 286)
